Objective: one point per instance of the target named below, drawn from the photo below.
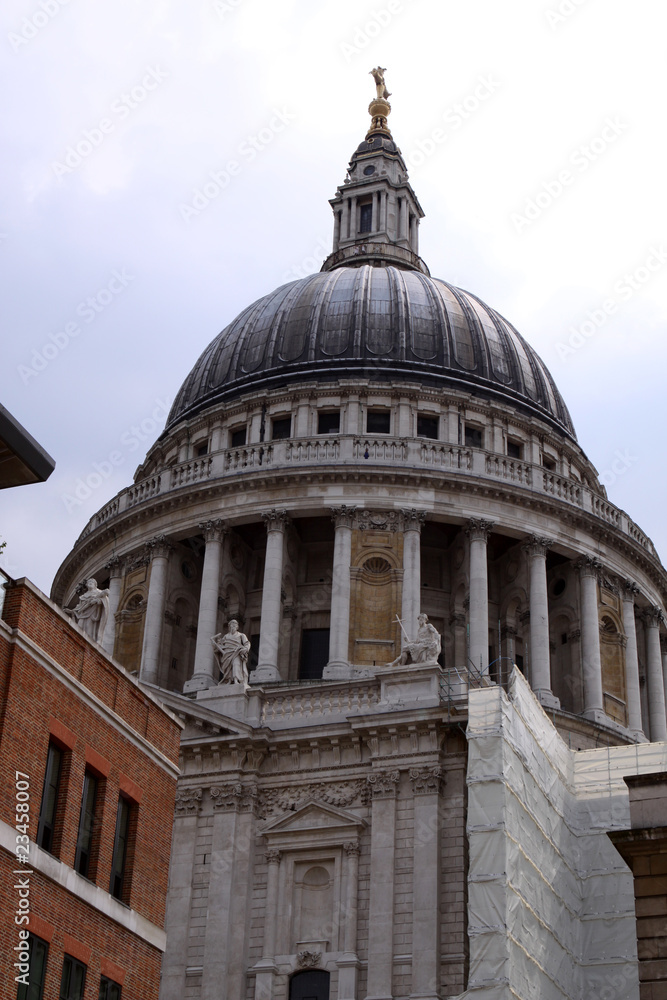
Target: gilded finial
(379, 108)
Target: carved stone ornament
(629, 590)
(188, 801)
(352, 849)
(653, 616)
(214, 530)
(413, 519)
(478, 530)
(426, 780)
(308, 959)
(343, 517)
(588, 566)
(384, 784)
(116, 566)
(275, 520)
(272, 856)
(535, 545)
(335, 793)
(378, 520)
(234, 798)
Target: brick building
(89, 771)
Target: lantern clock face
(369, 170)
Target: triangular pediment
(314, 816)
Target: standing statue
(425, 648)
(231, 654)
(92, 611)
(378, 76)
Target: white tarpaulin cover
(551, 902)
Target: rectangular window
(84, 841)
(49, 807)
(38, 952)
(109, 990)
(378, 422)
(427, 427)
(473, 437)
(73, 981)
(253, 655)
(117, 886)
(328, 423)
(548, 463)
(202, 449)
(281, 428)
(238, 437)
(314, 653)
(514, 450)
(366, 217)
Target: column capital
(413, 519)
(272, 856)
(343, 516)
(457, 619)
(629, 590)
(159, 547)
(478, 530)
(384, 784)
(536, 545)
(116, 566)
(426, 780)
(574, 635)
(275, 520)
(214, 530)
(588, 566)
(188, 801)
(653, 616)
(234, 798)
(352, 849)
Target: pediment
(316, 818)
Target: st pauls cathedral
(419, 656)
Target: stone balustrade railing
(282, 706)
(377, 451)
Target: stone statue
(378, 76)
(231, 654)
(425, 648)
(92, 610)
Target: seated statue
(92, 610)
(231, 654)
(424, 649)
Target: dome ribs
(441, 332)
(400, 297)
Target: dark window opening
(281, 428)
(559, 587)
(427, 427)
(328, 423)
(73, 981)
(366, 218)
(548, 464)
(84, 841)
(109, 990)
(253, 656)
(238, 437)
(473, 438)
(563, 639)
(518, 659)
(514, 450)
(118, 882)
(370, 169)
(310, 985)
(378, 422)
(49, 807)
(314, 653)
(38, 951)
(202, 449)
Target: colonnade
(535, 549)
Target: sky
(166, 164)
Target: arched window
(310, 985)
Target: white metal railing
(371, 450)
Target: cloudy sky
(535, 134)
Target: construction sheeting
(551, 902)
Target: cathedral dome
(381, 323)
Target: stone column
(633, 695)
(348, 965)
(205, 669)
(158, 548)
(663, 647)
(269, 630)
(540, 654)
(384, 786)
(411, 603)
(426, 786)
(115, 567)
(478, 532)
(339, 629)
(656, 686)
(457, 622)
(179, 898)
(266, 967)
(590, 638)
